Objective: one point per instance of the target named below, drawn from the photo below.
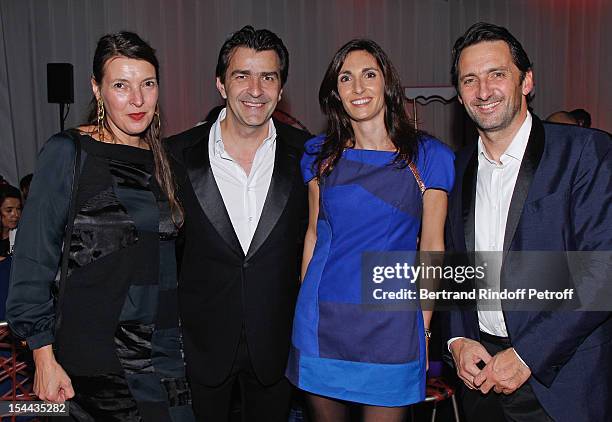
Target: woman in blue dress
(375, 184)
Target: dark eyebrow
(248, 72)
(274, 73)
(467, 75)
(490, 70)
(365, 69)
(149, 78)
(241, 72)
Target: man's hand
(467, 353)
(51, 383)
(505, 373)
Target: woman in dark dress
(109, 341)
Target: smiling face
(490, 87)
(10, 211)
(252, 87)
(361, 86)
(129, 91)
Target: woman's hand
(51, 383)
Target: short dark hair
(25, 181)
(582, 116)
(258, 40)
(483, 31)
(8, 191)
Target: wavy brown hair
(340, 133)
(130, 45)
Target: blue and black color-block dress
(342, 347)
(119, 336)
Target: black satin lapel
(531, 160)
(468, 201)
(207, 192)
(278, 194)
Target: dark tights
(323, 409)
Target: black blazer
(220, 288)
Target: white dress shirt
(12, 235)
(243, 195)
(494, 188)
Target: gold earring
(158, 123)
(101, 119)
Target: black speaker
(60, 83)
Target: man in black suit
(244, 205)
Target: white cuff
(519, 357)
(448, 343)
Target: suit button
(246, 265)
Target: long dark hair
(340, 133)
(130, 45)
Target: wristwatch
(427, 333)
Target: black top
(5, 247)
(121, 265)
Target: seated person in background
(562, 117)
(10, 212)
